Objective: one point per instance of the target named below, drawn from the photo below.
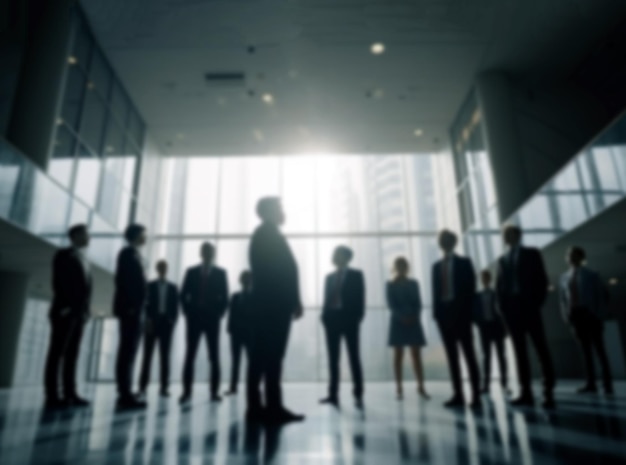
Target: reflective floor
(589, 430)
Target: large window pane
(201, 202)
(62, 161)
(298, 177)
(92, 121)
(87, 177)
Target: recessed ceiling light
(180, 136)
(110, 149)
(377, 48)
(418, 132)
(59, 121)
(378, 93)
(613, 281)
(268, 98)
(72, 60)
(91, 85)
(258, 135)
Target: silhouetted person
(204, 297)
(71, 285)
(129, 307)
(454, 286)
(492, 331)
(238, 326)
(276, 295)
(522, 288)
(161, 316)
(584, 302)
(342, 313)
(405, 326)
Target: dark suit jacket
(215, 293)
(464, 282)
(130, 284)
(70, 284)
(239, 313)
(531, 277)
(171, 301)
(274, 272)
(352, 295)
(478, 314)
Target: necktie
(335, 297)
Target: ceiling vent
(226, 79)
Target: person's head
(342, 256)
(79, 235)
(401, 267)
(207, 253)
(161, 268)
(270, 210)
(576, 256)
(512, 235)
(245, 279)
(135, 234)
(447, 241)
(485, 278)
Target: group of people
(261, 314)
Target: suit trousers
(458, 334)
(161, 332)
(493, 336)
(338, 327)
(523, 322)
(589, 331)
(266, 352)
(237, 344)
(65, 338)
(196, 328)
(130, 337)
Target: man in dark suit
(129, 307)
(161, 316)
(342, 313)
(71, 284)
(454, 285)
(522, 288)
(204, 297)
(276, 296)
(239, 326)
(492, 331)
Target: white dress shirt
(448, 293)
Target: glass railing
(35, 202)
(590, 183)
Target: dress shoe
(282, 416)
(184, 399)
(423, 394)
(54, 403)
(587, 389)
(164, 393)
(455, 402)
(130, 403)
(485, 390)
(331, 400)
(255, 415)
(76, 401)
(216, 398)
(523, 401)
(476, 404)
(231, 392)
(358, 403)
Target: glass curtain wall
(98, 139)
(381, 206)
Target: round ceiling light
(377, 48)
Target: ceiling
(330, 94)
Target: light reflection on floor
(582, 430)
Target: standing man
(161, 316)
(276, 296)
(239, 326)
(492, 331)
(204, 297)
(71, 284)
(522, 289)
(454, 286)
(129, 307)
(584, 306)
(342, 313)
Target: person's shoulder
(62, 253)
(220, 270)
(355, 272)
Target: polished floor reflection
(581, 430)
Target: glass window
(87, 177)
(61, 163)
(536, 214)
(571, 210)
(99, 75)
(298, 177)
(92, 121)
(72, 98)
(120, 106)
(201, 201)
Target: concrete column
(36, 100)
(13, 293)
(495, 100)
